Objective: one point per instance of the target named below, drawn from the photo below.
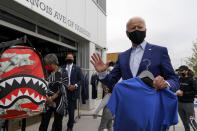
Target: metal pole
(5, 126)
(173, 128)
(23, 128)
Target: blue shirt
(138, 107)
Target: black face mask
(137, 36)
(182, 74)
(69, 61)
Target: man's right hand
(49, 101)
(98, 63)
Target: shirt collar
(71, 65)
(142, 45)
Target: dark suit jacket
(75, 78)
(160, 65)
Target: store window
(99, 50)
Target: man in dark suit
(75, 78)
(136, 59)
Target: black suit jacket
(75, 78)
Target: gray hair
(51, 59)
(136, 17)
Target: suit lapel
(72, 71)
(127, 58)
(147, 55)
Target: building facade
(58, 26)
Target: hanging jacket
(138, 107)
(85, 89)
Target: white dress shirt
(69, 73)
(69, 69)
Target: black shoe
(69, 129)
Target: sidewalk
(178, 127)
(87, 123)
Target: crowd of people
(62, 93)
(131, 63)
(65, 81)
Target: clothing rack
(79, 115)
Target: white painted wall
(76, 11)
(92, 20)
(82, 17)
(101, 29)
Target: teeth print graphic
(40, 82)
(7, 102)
(37, 98)
(14, 88)
(2, 84)
(10, 81)
(34, 80)
(1, 103)
(13, 97)
(32, 96)
(19, 79)
(20, 93)
(26, 93)
(27, 79)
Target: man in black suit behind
(75, 78)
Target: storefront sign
(55, 14)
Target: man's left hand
(159, 83)
(71, 87)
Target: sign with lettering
(41, 7)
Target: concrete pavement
(87, 123)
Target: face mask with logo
(137, 36)
(69, 61)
